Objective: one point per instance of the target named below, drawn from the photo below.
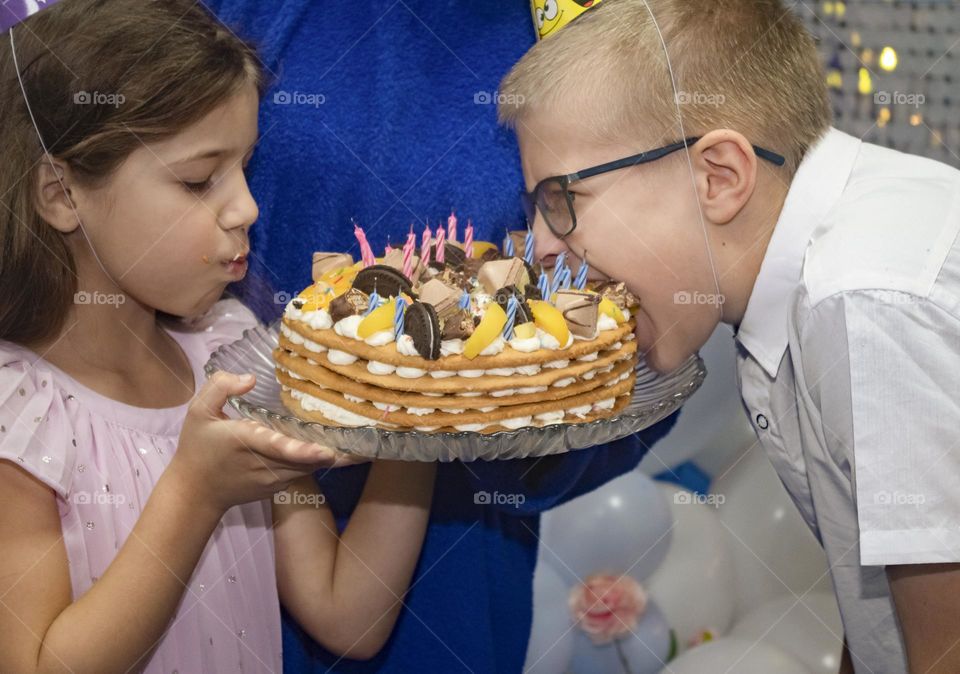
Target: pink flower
(607, 606)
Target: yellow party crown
(549, 16)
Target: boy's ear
(726, 173)
(53, 204)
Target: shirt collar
(816, 187)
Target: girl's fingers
(281, 448)
(213, 396)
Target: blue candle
(398, 317)
(581, 282)
(544, 285)
(465, 300)
(374, 302)
(511, 318)
(565, 278)
(508, 249)
(528, 247)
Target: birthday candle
(559, 272)
(465, 300)
(544, 285)
(425, 245)
(581, 281)
(398, 317)
(511, 318)
(389, 248)
(468, 240)
(565, 278)
(408, 257)
(452, 227)
(441, 243)
(508, 249)
(561, 261)
(366, 253)
(374, 302)
(528, 247)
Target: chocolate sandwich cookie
(423, 326)
(387, 281)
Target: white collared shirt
(849, 367)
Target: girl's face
(639, 225)
(171, 224)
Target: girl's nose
(241, 210)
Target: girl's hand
(221, 462)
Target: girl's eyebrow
(202, 154)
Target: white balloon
(552, 634)
(622, 527)
(696, 584)
(809, 629)
(736, 656)
(646, 649)
(774, 551)
(713, 425)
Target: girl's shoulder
(36, 428)
(223, 323)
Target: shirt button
(762, 422)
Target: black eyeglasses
(553, 199)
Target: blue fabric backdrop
(381, 111)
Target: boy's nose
(547, 246)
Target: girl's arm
(346, 592)
(113, 625)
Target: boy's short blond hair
(745, 65)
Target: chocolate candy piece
(350, 303)
(423, 326)
(444, 298)
(617, 292)
(456, 279)
(524, 315)
(458, 326)
(581, 311)
(501, 273)
(387, 281)
(324, 262)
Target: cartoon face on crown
(551, 15)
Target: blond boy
(836, 262)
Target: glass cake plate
(655, 396)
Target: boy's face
(640, 225)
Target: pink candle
(366, 253)
(425, 245)
(468, 240)
(408, 259)
(441, 242)
(452, 227)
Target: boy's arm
(346, 590)
(548, 481)
(925, 596)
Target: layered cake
(477, 340)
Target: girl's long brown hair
(102, 77)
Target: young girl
(133, 521)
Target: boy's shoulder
(892, 228)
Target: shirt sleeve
(35, 429)
(890, 396)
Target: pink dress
(103, 458)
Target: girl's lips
(237, 267)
